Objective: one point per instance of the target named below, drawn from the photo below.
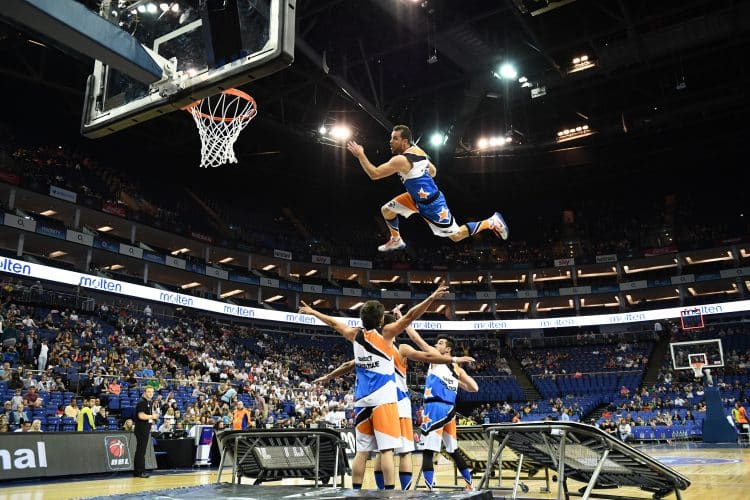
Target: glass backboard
(204, 46)
(685, 352)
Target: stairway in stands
(655, 361)
(529, 391)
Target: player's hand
(355, 149)
(320, 380)
(305, 309)
(440, 292)
(397, 312)
(464, 359)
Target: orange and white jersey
(374, 366)
(402, 388)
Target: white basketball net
(220, 119)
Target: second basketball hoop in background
(220, 118)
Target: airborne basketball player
(422, 195)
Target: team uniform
(404, 405)
(376, 395)
(438, 417)
(422, 196)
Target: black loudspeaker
(221, 29)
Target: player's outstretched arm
(392, 330)
(341, 370)
(466, 382)
(436, 358)
(345, 330)
(415, 337)
(398, 163)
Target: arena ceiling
(668, 90)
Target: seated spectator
(18, 416)
(128, 426)
(32, 399)
(72, 410)
(25, 427)
(36, 426)
(624, 431)
(100, 418)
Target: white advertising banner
(76, 237)
(282, 254)
(173, 261)
(217, 273)
(32, 270)
(131, 251)
(13, 220)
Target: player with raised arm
(439, 415)
(402, 354)
(422, 195)
(376, 396)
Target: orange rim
(235, 92)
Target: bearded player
(422, 195)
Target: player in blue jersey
(438, 424)
(422, 195)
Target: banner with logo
(154, 257)
(113, 208)
(105, 244)
(14, 220)
(321, 259)
(217, 273)
(202, 237)
(173, 261)
(565, 262)
(365, 264)
(47, 229)
(81, 238)
(36, 454)
(63, 194)
(282, 254)
(131, 251)
(605, 259)
(20, 268)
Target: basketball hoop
(220, 118)
(697, 367)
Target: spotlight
(175, 7)
(152, 8)
(483, 143)
(437, 139)
(164, 6)
(508, 71)
(341, 132)
(141, 8)
(523, 79)
(323, 130)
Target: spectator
(241, 417)
(25, 427)
(86, 417)
(72, 409)
(36, 426)
(128, 426)
(624, 430)
(100, 419)
(42, 358)
(147, 311)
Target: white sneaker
(498, 226)
(392, 244)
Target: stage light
(508, 71)
(152, 8)
(322, 130)
(341, 132)
(164, 6)
(175, 7)
(523, 79)
(437, 139)
(483, 143)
